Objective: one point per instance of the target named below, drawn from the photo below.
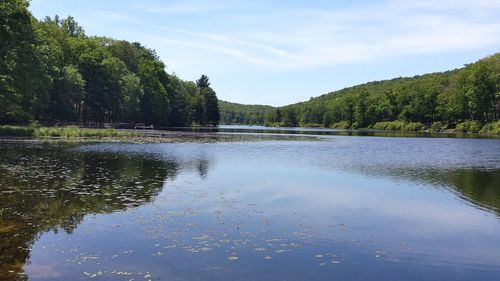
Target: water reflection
(219, 210)
(261, 130)
(478, 187)
(51, 187)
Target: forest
(467, 99)
(51, 71)
(235, 113)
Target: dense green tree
(181, 102)
(361, 109)
(155, 103)
(234, 113)
(203, 82)
(19, 69)
(350, 103)
(71, 27)
(209, 114)
(212, 106)
(469, 93)
(51, 71)
(289, 117)
(67, 95)
(480, 91)
(132, 91)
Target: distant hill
(450, 97)
(235, 113)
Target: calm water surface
(273, 208)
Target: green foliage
(21, 83)
(492, 128)
(398, 125)
(413, 126)
(61, 132)
(210, 112)
(206, 105)
(289, 118)
(341, 125)
(203, 82)
(235, 113)
(414, 103)
(469, 127)
(390, 125)
(480, 90)
(50, 70)
(273, 118)
(311, 125)
(17, 131)
(437, 126)
(75, 132)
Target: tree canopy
(469, 93)
(451, 97)
(50, 70)
(235, 113)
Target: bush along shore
(62, 132)
(471, 127)
(466, 127)
(71, 132)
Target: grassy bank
(61, 132)
(468, 127)
(17, 131)
(399, 126)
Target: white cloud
(292, 38)
(278, 51)
(184, 7)
(265, 34)
(374, 33)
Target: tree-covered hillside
(50, 70)
(235, 113)
(469, 96)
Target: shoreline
(223, 133)
(363, 131)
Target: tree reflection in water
(53, 187)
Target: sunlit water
(280, 208)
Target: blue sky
(280, 52)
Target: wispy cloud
(184, 7)
(119, 17)
(230, 51)
(214, 41)
(296, 38)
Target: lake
(252, 205)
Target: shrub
(492, 128)
(62, 132)
(398, 125)
(390, 125)
(311, 125)
(437, 126)
(16, 131)
(75, 132)
(340, 125)
(469, 127)
(413, 126)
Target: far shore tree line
(467, 98)
(50, 70)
